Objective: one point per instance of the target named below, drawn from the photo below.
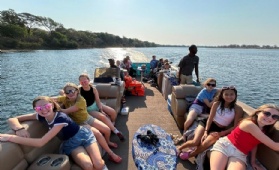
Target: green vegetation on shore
(26, 31)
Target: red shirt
(242, 140)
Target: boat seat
(12, 157)
(110, 94)
(178, 101)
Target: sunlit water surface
(29, 74)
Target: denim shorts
(198, 109)
(224, 146)
(84, 137)
(92, 107)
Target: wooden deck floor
(150, 109)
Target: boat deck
(148, 109)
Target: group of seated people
(78, 118)
(155, 67)
(215, 110)
(126, 64)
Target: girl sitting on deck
(97, 109)
(231, 151)
(204, 99)
(75, 107)
(84, 152)
(223, 112)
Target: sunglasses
(40, 108)
(228, 87)
(274, 117)
(71, 91)
(213, 85)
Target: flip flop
(118, 160)
(184, 155)
(113, 145)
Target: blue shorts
(92, 107)
(84, 137)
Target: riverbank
(13, 51)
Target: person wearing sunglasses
(84, 152)
(231, 151)
(75, 107)
(97, 109)
(224, 111)
(203, 100)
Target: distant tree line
(245, 46)
(27, 31)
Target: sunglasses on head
(40, 108)
(209, 84)
(228, 87)
(274, 117)
(71, 91)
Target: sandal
(184, 155)
(112, 145)
(118, 160)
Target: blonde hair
(71, 85)
(208, 81)
(254, 116)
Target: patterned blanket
(154, 157)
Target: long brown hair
(220, 98)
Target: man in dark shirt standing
(187, 65)
(112, 63)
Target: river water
(26, 75)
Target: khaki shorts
(186, 79)
(90, 120)
(225, 146)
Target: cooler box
(169, 103)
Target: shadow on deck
(148, 109)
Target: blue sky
(177, 22)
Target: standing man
(187, 65)
(112, 63)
